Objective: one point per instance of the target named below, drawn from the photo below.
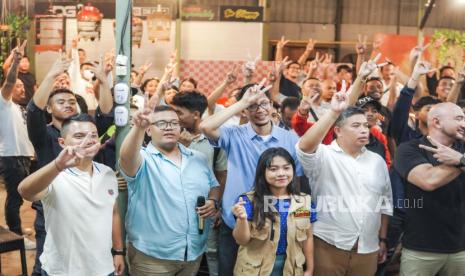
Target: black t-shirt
(435, 221)
(29, 82)
(289, 88)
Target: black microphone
(200, 203)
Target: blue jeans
(278, 266)
(227, 251)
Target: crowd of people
(318, 169)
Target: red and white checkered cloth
(210, 74)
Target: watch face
(462, 161)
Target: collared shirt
(351, 194)
(78, 211)
(244, 147)
(201, 144)
(161, 220)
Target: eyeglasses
(255, 107)
(165, 124)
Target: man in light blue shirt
(244, 144)
(164, 181)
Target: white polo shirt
(78, 213)
(351, 194)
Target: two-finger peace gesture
(340, 100)
(255, 92)
(443, 154)
(369, 66)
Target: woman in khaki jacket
(273, 222)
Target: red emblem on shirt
(111, 192)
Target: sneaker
(28, 244)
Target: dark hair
(310, 78)
(349, 112)
(146, 82)
(294, 62)
(191, 80)
(446, 78)
(60, 91)
(163, 108)
(82, 103)
(276, 106)
(193, 101)
(261, 186)
(81, 50)
(245, 88)
(443, 68)
(86, 63)
(83, 117)
(374, 79)
(344, 67)
(290, 102)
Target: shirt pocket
(301, 227)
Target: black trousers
(14, 169)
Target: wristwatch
(215, 202)
(383, 240)
(461, 162)
(115, 252)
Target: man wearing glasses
(244, 144)
(164, 181)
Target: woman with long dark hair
(273, 222)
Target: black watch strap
(118, 252)
(383, 240)
(215, 201)
(461, 163)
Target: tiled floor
(11, 263)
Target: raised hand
(461, 75)
(60, 65)
(340, 100)
(109, 61)
(328, 59)
(443, 154)
(74, 42)
(361, 46)
(421, 67)
(369, 66)
(238, 209)
(282, 43)
(254, 93)
(308, 102)
(310, 45)
(439, 42)
(99, 70)
(417, 52)
(68, 158)
(231, 77)
(142, 119)
(143, 68)
(281, 65)
(20, 49)
(249, 67)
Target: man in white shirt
(15, 148)
(352, 189)
(79, 200)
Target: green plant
(18, 29)
(454, 38)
